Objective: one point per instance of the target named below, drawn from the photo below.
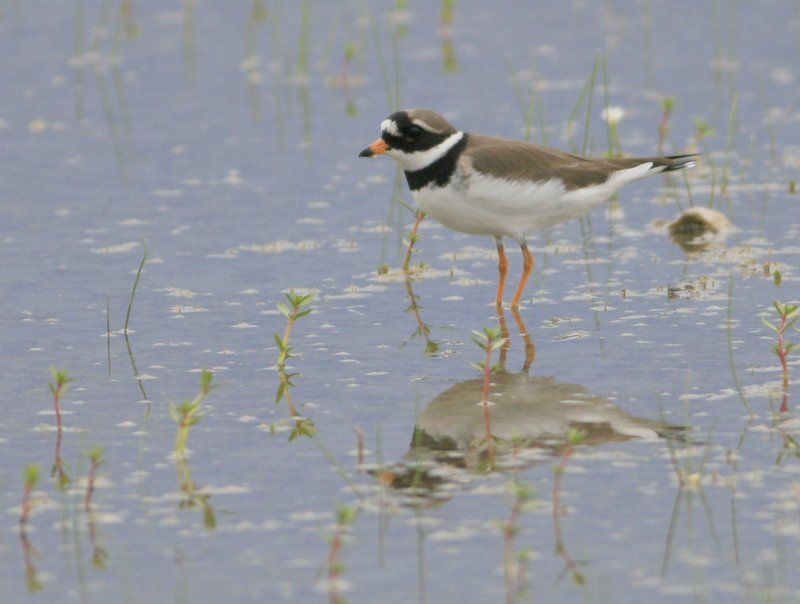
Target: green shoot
(489, 340)
(95, 461)
(58, 387)
(133, 289)
(788, 315)
(188, 413)
(295, 311)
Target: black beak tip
(366, 153)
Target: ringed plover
(504, 188)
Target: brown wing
(517, 160)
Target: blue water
(157, 138)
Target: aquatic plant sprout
(189, 412)
(788, 315)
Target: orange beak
(379, 147)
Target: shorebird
(504, 188)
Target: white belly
(483, 205)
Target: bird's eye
(413, 131)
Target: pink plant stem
(783, 355)
(57, 405)
(333, 566)
(360, 440)
(487, 372)
(87, 500)
(26, 508)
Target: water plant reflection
(192, 495)
(99, 553)
(30, 479)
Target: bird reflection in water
(530, 417)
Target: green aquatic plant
(423, 329)
(413, 237)
(297, 309)
(612, 115)
(488, 340)
(590, 97)
(793, 187)
(189, 412)
(95, 461)
(449, 58)
(345, 518)
(788, 315)
(448, 12)
(730, 141)
(125, 331)
(58, 387)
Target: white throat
(411, 162)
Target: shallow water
(226, 141)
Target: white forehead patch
(390, 126)
(423, 125)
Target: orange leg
(502, 268)
(530, 348)
(527, 267)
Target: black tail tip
(680, 162)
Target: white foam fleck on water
(119, 248)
